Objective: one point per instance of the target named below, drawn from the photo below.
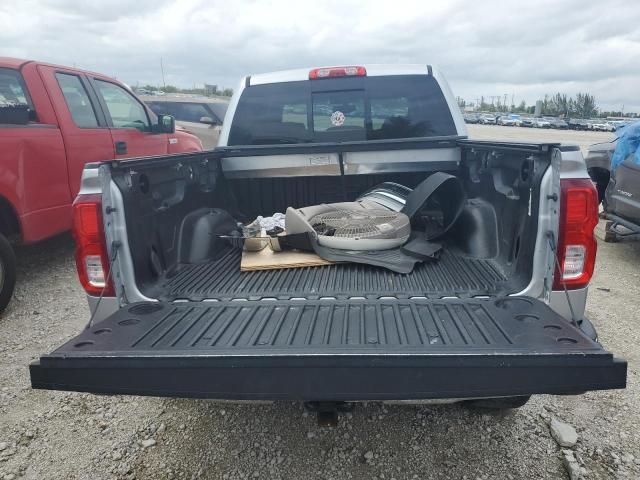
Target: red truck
(54, 120)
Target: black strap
(423, 249)
(451, 189)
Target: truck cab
(54, 120)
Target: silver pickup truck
(499, 316)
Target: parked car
(619, 192)
(493, 318)
(201, 116)
(54, 120)
(541, 123)
(471, 118)
(601, 126)
(509, 120)
(526, 122)
(578, 124)
(487, 119)
(558, 123)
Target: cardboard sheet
(267, 259)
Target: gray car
(619, 192)
(202, 116)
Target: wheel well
(9, 223)
(599, 175)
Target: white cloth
(269, 223)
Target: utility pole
(164, 85)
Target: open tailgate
(332, 350)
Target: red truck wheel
(7, 272)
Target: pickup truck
(53, 120)
(497, 318)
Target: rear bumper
(332, 351)
(334, 378)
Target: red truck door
(33, 166)
(130, 122)
(84, 128)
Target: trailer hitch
(328, 411)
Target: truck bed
(451, 275)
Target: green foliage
(585, 105)
(560, 104)
(582, 106)
(521, 108)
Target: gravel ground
(53, 435)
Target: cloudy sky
(525, 49)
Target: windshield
(338, 110)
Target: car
(510, 120)
(498, 316)
(202, 116)
(601, 126)
(618, 189)
(487, 119)
(541, 123)
(527, 122)
(578, 124)
(471, 118)
(54, 120)
(558, 123)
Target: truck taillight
(576, 243)
(92, 259)
(331, 72)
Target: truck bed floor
(451, 275)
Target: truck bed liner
(332, 350)
(452, 275)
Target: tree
(521, 108)
(227, 92)
(585, 105)
(171, 89)
(559, 105)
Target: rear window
(12, 92)
(15, 105)
(369, 108)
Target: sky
(484, 48)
